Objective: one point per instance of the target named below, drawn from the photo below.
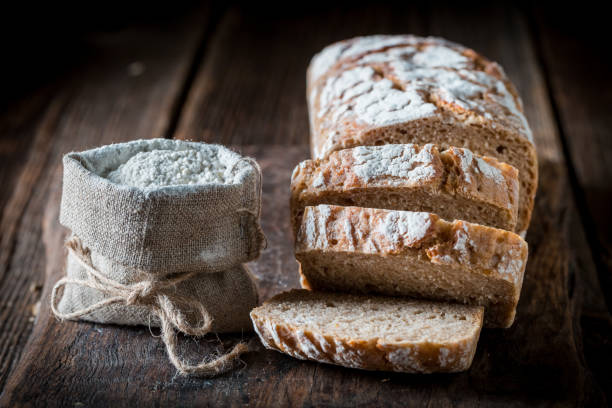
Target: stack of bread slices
(408, 219)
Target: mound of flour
(158, 168)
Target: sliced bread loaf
(370, 332)
(454, 183)
(415, 254)
(406, 89)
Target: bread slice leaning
(405, 89)
(416, 254)
(453, 183)
(370, 332)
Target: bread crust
(401, 89)
(417, 357)
(379, 250)
(442, 178)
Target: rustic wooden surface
(236, 76)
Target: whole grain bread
(453, 183)
(370, 332)
(406, 89)
(416, 254)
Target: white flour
(159, 168)
(476, 164)
(404, 227)
(395, 160)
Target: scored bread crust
(400, 89)
(453, 183)
(417, 254)
(309, 343)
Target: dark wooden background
(235, 74)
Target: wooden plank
(562, 230)
(578, 74)
(536, 362)
(20, 125)
(107, 102)
(251, 88)
(17, 128)
(21, 291)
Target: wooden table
(236, 75)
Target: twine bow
(149, 293)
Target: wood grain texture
(103, 104)
(250, 89)
(18, 123)
(251, 85)
(21, 128)
(21, 251)
(578, 76)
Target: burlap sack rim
(84, 161)
(87, 159)
(150, 194)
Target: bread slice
(370, 332)
(453, 183)
(406, 89)
(416, 254)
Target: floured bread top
(494, 252)
(364, 229)
(377, 81)
(386, 319)
(158, 168)
(470, 162)
(406, 161)
(456, 171)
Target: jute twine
(149, 292)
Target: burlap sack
(228, 296)
(168, 256)
(204, 228)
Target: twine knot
(141, 291)
(150, 293)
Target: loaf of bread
(372, 333)
(417, 254)
(406, 89)
(454, 183)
